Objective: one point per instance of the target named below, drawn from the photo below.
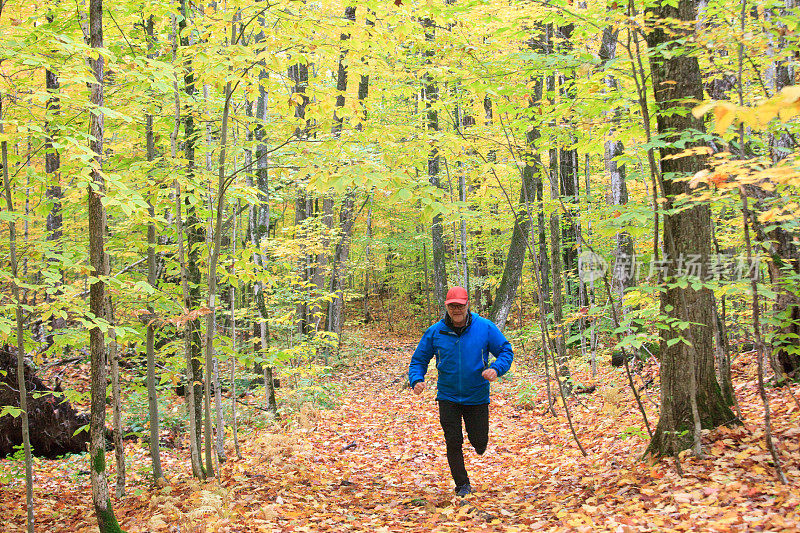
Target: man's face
(458, 313)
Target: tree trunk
(347, 211)
(624, 259)
(20, 363)
(260, 222)
(430, 95)
(784, 260)
(569, 170)
(52, 167)
(152, 394)
(676, 78)
(192, 389)
(116, 393)
(106, 521)
(304, 206)
(234, 421)
(193, 229)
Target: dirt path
(377, 464)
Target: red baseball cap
(457, 295)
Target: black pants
(476, 420)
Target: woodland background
(268, 201)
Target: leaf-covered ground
(376, 463)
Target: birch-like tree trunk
(624, 259)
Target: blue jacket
(460, 360)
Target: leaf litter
(377, 463)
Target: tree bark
(676, 78)
(106, 521)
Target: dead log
(54, 424)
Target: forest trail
(377, 463)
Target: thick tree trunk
(512, 272)
(676, 78)
(106, 521)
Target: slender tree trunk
(116, 393)
(16, 294)
(512, 272)
(760, 351)
(193, 229)
(784, 253)
(106, 521)
(569, 170)
(430, 96)
(676, 78)
(304, 208)
(234, 421)
(191, 390)
(556, 232)
(152, 394)
(211, 362)
(260, 230)
(52, 167)
(368, 261)
(347, 212)
(624, 258)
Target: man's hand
(490, 374)
(419, 387)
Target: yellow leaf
(702, 109)
(723, 115)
